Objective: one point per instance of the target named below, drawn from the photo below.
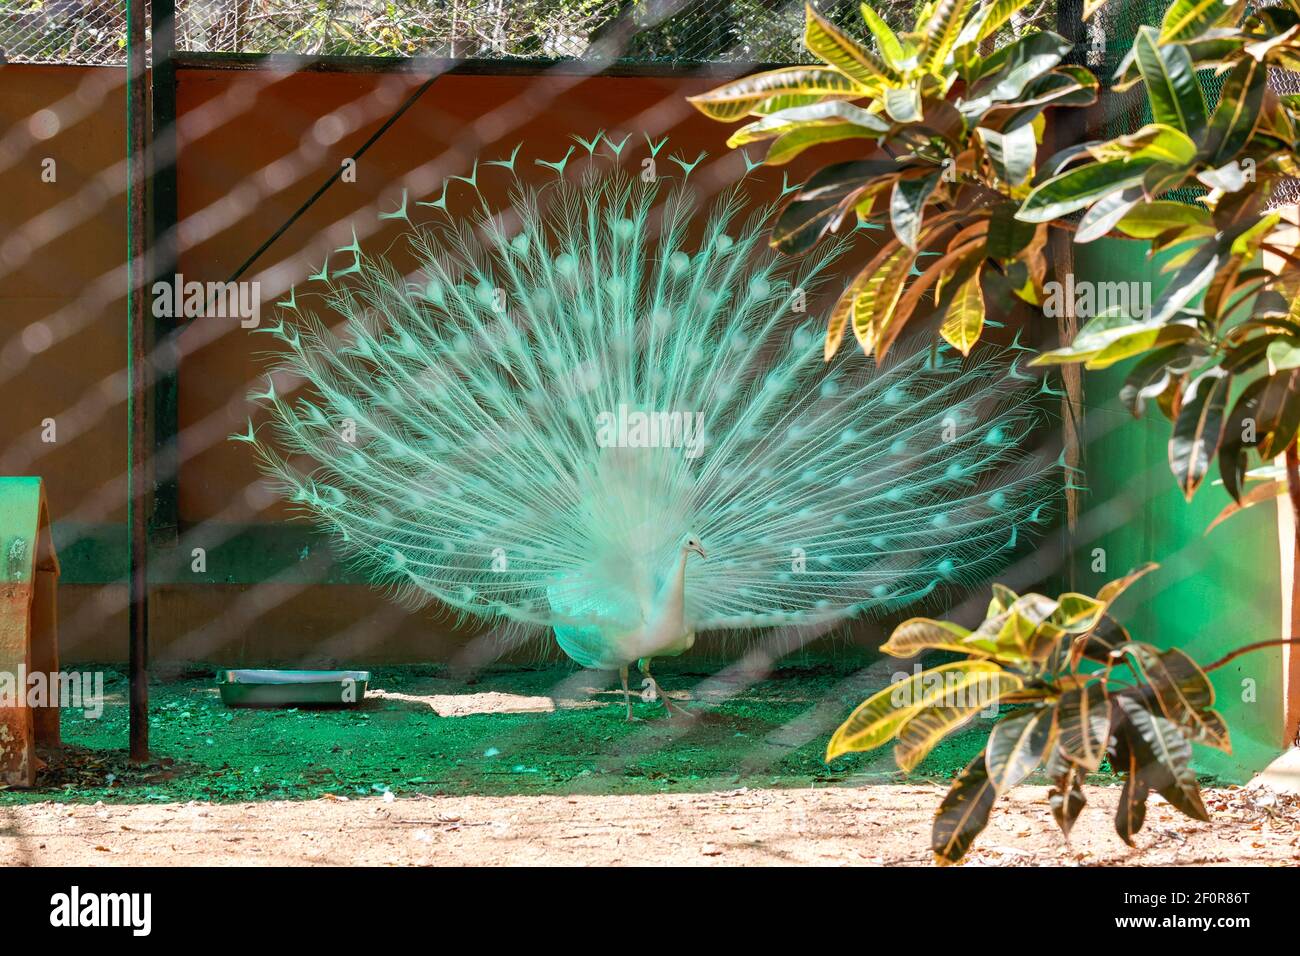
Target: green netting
(1110, 40)
(1110, 37)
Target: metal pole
(163, 515)
(137, 375)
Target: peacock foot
(674, 709)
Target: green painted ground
(768, 734)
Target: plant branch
(1258, 645)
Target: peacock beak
(698, 549)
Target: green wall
(1212, 592)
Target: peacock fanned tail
(528, 424)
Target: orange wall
(458, 119)
(62, 286)
(254, 146)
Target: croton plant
(952, 123)
(1219, 347)
(952, 113)
(1087, 693)
(952, 116)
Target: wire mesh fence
(754, 31)
(63, 31)
(1111, 34)
(639, 31)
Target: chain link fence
(671, 31)
(638, 31)
(1111, 34)
(63, 31)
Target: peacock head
(692, 543)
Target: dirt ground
(536, 766)
(746, 827)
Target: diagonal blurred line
(211, 332)
(334, 177)
(66, 323)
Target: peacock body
(570, 400)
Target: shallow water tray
(279, 688)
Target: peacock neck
(674, 598)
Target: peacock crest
(530, 407)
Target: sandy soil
(537, 766)
(827, 826)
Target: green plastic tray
(280, 688)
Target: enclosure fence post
(1288, 527)
(137, 374)
(161, 333)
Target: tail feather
(459, 427)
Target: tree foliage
(1220, 346)
(953, 123)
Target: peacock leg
(627, 696)
(669, 704)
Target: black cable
(410, 101)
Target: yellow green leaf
(964, 320)
(775, 90)
(825, 113)
(1188, 19)
(891, 48)
(941, 32)
(923, 731)
(874, 300)
(1109, 592)
(1003, 598)
(921, 633)
(789, 145)
(1077, 612)
(878, 718)
(825, 41)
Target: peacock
(598, 408)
